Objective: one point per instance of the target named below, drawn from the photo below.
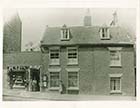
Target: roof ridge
(98, 26)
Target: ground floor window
(54, 79)
(115, 84)
(72, 79)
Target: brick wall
(94, 70)
(102, 71)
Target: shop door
(35, 80)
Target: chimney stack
(115, 19)
(87, 18)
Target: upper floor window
(72, 55)
(64, 33)
(115, 56)
(54, 56)
(104, 33)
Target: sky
(35, 20)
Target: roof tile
(85, 35)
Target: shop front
(24, 77)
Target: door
(35, 79)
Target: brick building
(95, 60)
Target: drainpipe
(41, 71)
(40, 77)
(29, 70)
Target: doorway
(35, 79)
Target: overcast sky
(34, 20)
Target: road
(15, 98)
(22, 95)
(19, 98)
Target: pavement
(23, 95)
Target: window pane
(115, 83)
(104, 32)
(65, 33)
(54, 79)
(112, 85)
(72, 79)
(72, 53)
(54, 54)
(115, 58)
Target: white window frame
(72, 61)
(54, 61)
(115, 63)
(62, 34)
(73, 70)
(115, 76)
(107, 33)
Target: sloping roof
(85, 35)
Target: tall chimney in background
(87, 18)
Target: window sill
(72, 63)
(115, 66)
(54, 64)
(65, 39)
(73, 88)
(115, 92)
(105, 38)
(54, 88)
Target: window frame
(51, 61)
(50, 87)
(117, 75)
(62, 34)
(73, 88)
(70, 73)
(116, 63)
(68, 59)
(116, 84)
(106, 33)
(78, 78)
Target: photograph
(69, 54)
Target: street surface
(23, 95)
